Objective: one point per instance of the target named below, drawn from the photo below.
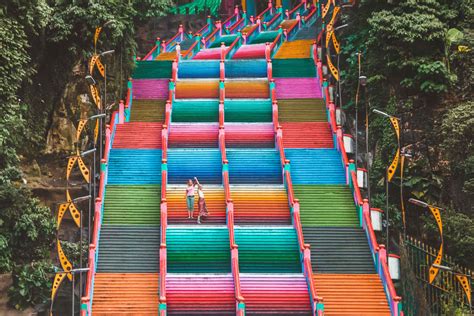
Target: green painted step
(132, 204)
(196, 111)
(248, 110)
(326, 205)
(268, 250)
(198, 250)
(153, 69)
(127, 248)
(302, 110)
(265, 37)
(226, 39)
(148, 111)
(294, 68)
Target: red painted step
(200, 294)
(260, 135)
(209, 53)
(254, 51)
(193, 135)
(307, 135)
(138, 135)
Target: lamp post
(462, 275)
(73, 272)
(386, 177)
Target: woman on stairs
(190, 198)
(202, 202)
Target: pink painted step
(150, 89)
(249, 135)
(276, 294)
(250, 52)
(209, 53)
(298, 88)
(138, 135)
(200, 294)
(307, 135)
(193, 135)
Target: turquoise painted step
(155, 69)
(265, 37)
(254, 166)
(268, 250)
(134, 166)
(193, 69)
(316, 166)
(127, 248)
(248, 68)
(326, 205)
(198, 250)
(197, 111)
(184, 164)
(248, 110)
(132, 205)
(226, 39)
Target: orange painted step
(199, 89)
(250, 89)
(177, 209)
(352, 294)
(260, 205)
(138, 135)
(307, 135)
(125, 294)
(295, 49)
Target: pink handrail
(269, 8)
(357, 195)
(296, 8)
(310, 15)
(231, 46)
(275, 18)
(222, 144)
(235, 15)
(190, 50)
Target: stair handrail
(233, 18)
(311, 17)
(277, 42)
(296, 9)
(206, 28)
(266, 12)
(276, 17)
(206, 40)
(233, 48)
(154, 51)
(292, 30)
(87, 298)
(194, 48)
(174, 40)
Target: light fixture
(88, 152)
(363, 80)
(82, 198)
(384, 114)
(107, 52)
(97, 116)
(90, 80)
(418, 202)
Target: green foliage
(31, 284)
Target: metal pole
(80, 250)
(367, 105)
(386, 209)
(72, 313)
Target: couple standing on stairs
(190, 192)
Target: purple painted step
(150, 89)
(298, 88)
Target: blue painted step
(254, 166)
(316, 166)
(189, 69)
(134, 166)
(184, 164)
(248, 68)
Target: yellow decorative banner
(100, 67)
(84, 169)
(334, 15)
(58, 279)
(92, 63)
(67, 266)
(75, 214)
(61, 210)
(95, 95)
(396, 126)
(437, 215)
(329, 34)
(334, 71)
(96, 131)
(402, 202)
(80, 128)
(466, 285)
(326, 9)
(393, 166)
(96, 35)
(435, 270)
(336, 44)
(70, 164)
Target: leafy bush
(31, 284)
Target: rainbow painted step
(134, 166)
(254, 166)
(198, 249)
(258, 135)
(195, 111)
(148, 111)
(268, 249)
(138, 135)
(307, 135)
(184, 164)
(200, 294)
(193, 135)
(302, 110)
(247, 110)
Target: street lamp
(73, 272)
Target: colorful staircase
(283, 236)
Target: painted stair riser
(184, 164)
(295, 49)
(307, 135)
(146, 89)
(250, 52)
(152, 70)
(193, 135)
(256, 135)
(198, 250)
(138, 136)
(247, 111)
(301, 110)
(195, 111)
(297, 88)
(148, 111)
(134, 166)
(257, 166)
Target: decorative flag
(96, 35)
(100, 67)
(95, 95)
(58, 279)
(393, 166)
(466, 285)
(70, 164)
(80, 128)
(84, 169)
(334, 71)
(96, 131)
(336, 44)
(61, 210)
(329, 33)
(434, 270)
(92, 63)
(402, 202)
(326, 9)
(75, 214)
(65, 263)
